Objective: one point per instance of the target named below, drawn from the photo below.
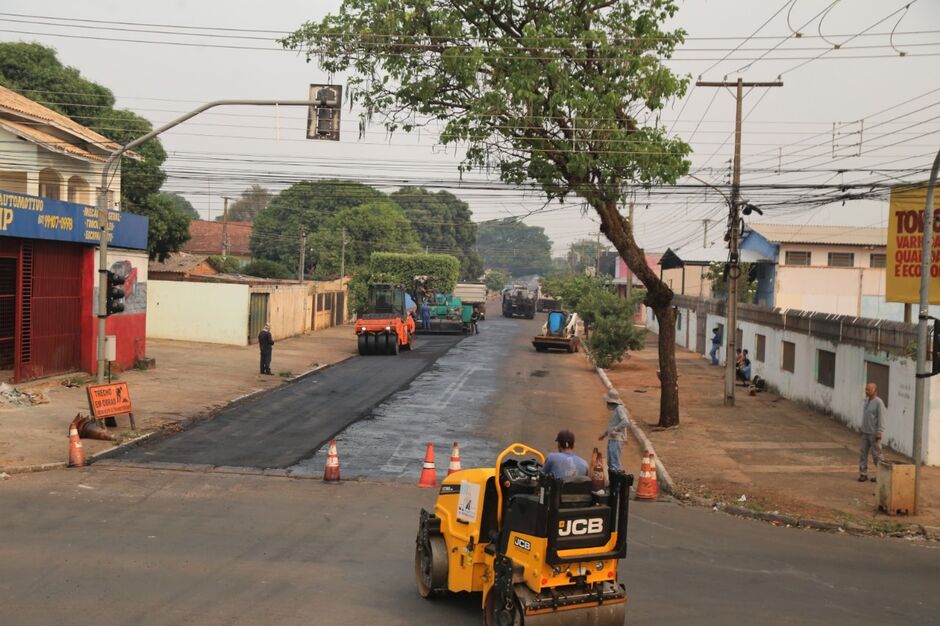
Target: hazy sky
(788, 128)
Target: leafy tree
(562, 94)
(181, 204)
(442, 222)
(583, 254)
(34, 71)
(378, 226)
(169, 227)
(747, 282)
(515, 247)
(253, 200)
(496, 280)
(441, 270)
(225, 264)
(305, 205)
(263, 268)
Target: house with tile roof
(219, 238)
(50, 167)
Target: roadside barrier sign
(109, 400)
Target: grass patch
(286, 374)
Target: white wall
(209, 312)
(844, 400)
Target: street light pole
(102, 203)
(923, 314)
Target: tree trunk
(658, 297)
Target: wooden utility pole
(342, 257)
(734, 222)
(303, 250)
(225, 226)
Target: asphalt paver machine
(541, 551)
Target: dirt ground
(776, 454)
(190, 380)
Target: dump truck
(519, 301)
(386, 326)
(474, 295)
(541, 551)
(560, 332)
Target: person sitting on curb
(743, 369)
(616, 432)
(565, 464)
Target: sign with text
(905, 244)
(43, 218)
(109, 400)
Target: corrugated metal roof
(815, 234)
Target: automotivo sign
(33, 217)
(905, 245)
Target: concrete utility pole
(303, 251)
(102, 202)
(734, 222)
(225, 226)
(923, 315)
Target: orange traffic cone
(454, 460)
(76, 451)
(648, 487)
(332, 463)
(428, 473)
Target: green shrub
(225, 264)
(394, 267)
(263, 268)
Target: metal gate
(7, 312)
(257, 315)
(339, 308)
(701, 321)
(51, 319)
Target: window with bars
(826, 368)
(797, 257)
(878, 259)
(841, 259)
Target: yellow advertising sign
(905, 243)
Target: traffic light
(323, 119)
(115, 295)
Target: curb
(662, 475)
(162, 432)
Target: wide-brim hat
(612, 397)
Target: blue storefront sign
(33, 217)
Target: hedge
(402, 268)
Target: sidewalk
(190, 380)
(780, 455)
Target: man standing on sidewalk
(616, 432)
(873, 428)
(716, 344)
(266, 344)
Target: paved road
(287, 425)
(125, 546)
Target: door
(339, 308)
(7, 314)
(701, 320)
(257, 315)
(51, 314)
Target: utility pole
(597, 255)
(342, 257)
(734, 221)
(303, 250)
(923, 314)
(629, 273)
(225, 227)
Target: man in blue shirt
(565, 464)
(716, 344)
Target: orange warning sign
(109, 400)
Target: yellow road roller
(541, 551)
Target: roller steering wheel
(530, 467)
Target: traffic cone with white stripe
(332, 463)
(648, 487)
(428, 473)
(76, 451)
(454, 460)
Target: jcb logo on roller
(522, 543)
(576, 527)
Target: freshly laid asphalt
(281, 428)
